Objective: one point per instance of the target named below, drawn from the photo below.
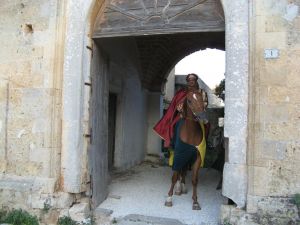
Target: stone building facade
(59, 61)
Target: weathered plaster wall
(130, 149)
(30, 100)
(274, 150)
(170, 86)
(154, 112)
(131, 122)
(27, 83)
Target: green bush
(47, 207)
(226, 222)
(3, 214)
(65, 220)
(19, 217)
(297, 200)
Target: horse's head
(194, 102)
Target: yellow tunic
(202, 147)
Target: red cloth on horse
(165, 126)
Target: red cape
(164, 128)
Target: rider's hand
(179, 107)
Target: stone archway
(80, 18)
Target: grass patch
(3, 214)
(296, 200)
(66, 220)
(18, 217)
(226, 222)
(46, 207)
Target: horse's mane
(184, 108)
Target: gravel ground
(143, 189)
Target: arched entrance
(78, 55)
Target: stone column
(236, 99)
(75, 69)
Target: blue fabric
(184, 154)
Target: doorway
(236, 92)
(143, 42)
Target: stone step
(103, 217)
(134, 219)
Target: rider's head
(191, 80)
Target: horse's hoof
(196, 206)
(168, 202)
(183, 189)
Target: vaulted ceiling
(155, 56)
(161, 31)
(159, 54)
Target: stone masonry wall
(274, 134)
(31, 35)
(30, 102)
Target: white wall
(131, 124)
(170, 86)
(153, 116)
(131, 118)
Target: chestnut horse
(188, 137)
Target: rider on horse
(185, 129)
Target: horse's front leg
(178, 184)
(195, 171)
(182, 182)
(170, 193)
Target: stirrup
(178, 188)
(168, 201)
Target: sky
(208, 64)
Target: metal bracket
(89, 135)
(91, 49)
